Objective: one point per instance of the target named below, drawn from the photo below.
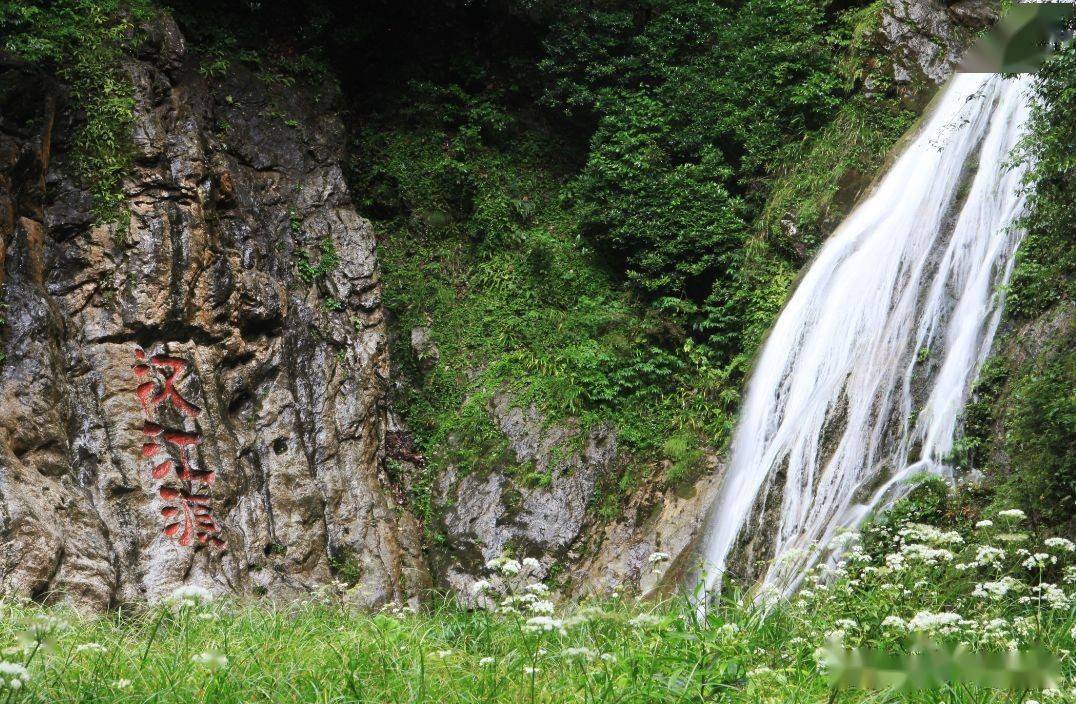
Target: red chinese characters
(185, 487)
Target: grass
(516, 646)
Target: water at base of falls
(860, 383)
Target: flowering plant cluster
(998, 589)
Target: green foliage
(979, 417)
(1045, 271)
(478, 248)
(313, 267)
(346, 568)
(697, 106)
(1020, 428)
(1040, 438)
(928, 501)
(685, 457)
(828, 169)
(694, 115)
(84, 40)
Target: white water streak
(880, 343)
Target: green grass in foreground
(998, 587)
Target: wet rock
(180, 400)
(926, 39)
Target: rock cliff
(198, 394)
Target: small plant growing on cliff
(312, 268)
(84, 41)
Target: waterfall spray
(861, 381)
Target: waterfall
(860, 383)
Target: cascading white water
(860, 382)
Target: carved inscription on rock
(184, 487)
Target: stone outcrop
(486, 514)
(925, 39)
(656, 520)
(199, 396)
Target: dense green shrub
(1045, 271)
(516, 302)
(696, 103)
(1041, 436)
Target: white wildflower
(212, 660)
(1060, 543)
(536, 624)
(927, 621)
(988, 556)
(656, 557)
(486, 661)
(985, 523)
(40, 627)
(532, 564)
(1039, 559)
(14, 673)
(531, 670)
(925, 554)
(894, 562)
(537, 588)
(542, 607)
(90, 648)
(645, 620)
(584, 653)
(836, 635)
(1013, 513)
(608, 657)
(479, 587)
(842, 540)
(894, 622)
(190, 595)
(510, 567)
(929, 534)
(998, 589)
(1054, 596)
(121, 684)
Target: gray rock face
(483, 515)
(654, 521)
(202, 400)
(427, 355)
(927, 38)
